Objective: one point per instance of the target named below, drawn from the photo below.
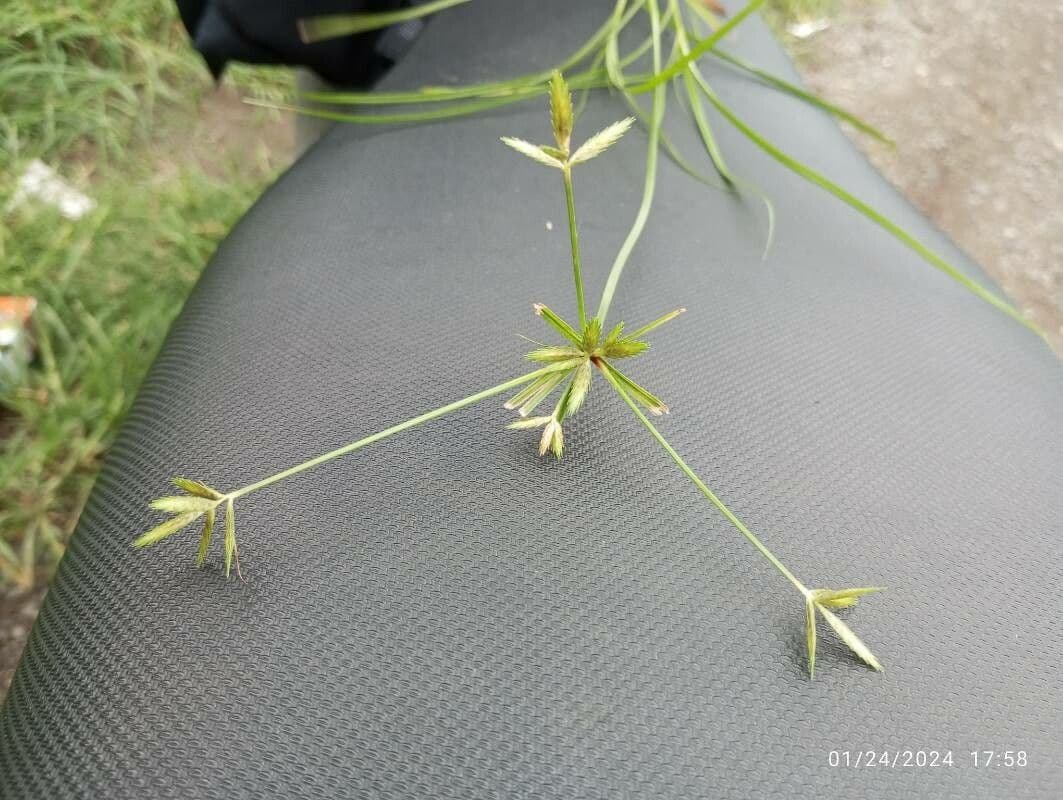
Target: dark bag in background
(265, 32)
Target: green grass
(101, 91)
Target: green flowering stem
(202, 502)
(705, 490)
(701, 48)
(816, 600)
(573, 235)
(650, 183)
(394, 429)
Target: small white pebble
(549, 225)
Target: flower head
(584, 349)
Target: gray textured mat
(446, 615)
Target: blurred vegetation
(106, 92)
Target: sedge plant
(564, 376)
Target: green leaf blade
(331, 26)
(559, 324)
(652, 403)
(544, 390)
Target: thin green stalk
(433, 94)
(705, 490)
(573, 235)
(656, 119)
(457, 110)
(618, 81)
(582, 81)
(856, 203)
(402, 426)
(700, 120)
(701, 48)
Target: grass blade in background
(330, 26)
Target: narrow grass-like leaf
(650, 181)
(810, 636)
(549, 354)
(850, 639)
(448, 112)
(698, 50)
(638, 333)
(708, 139)
(520, 83)
(183, 504)
(204, 540)
(808, 97)
(521, 397)
(652, 403)
(859, 205)
(196, 488)
(532, 151)
(667, 145)
(559, 324)
(701, 122)
(230, 537)
(168, 528)
(545, 388)
(331, 26)
(601, 141)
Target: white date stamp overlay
(874, 758)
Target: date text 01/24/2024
(927, 758)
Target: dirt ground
(972, 93)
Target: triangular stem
(705, 490)
(394, 429)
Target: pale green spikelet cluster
(199, 502)
(576, 360)
(561, 119)
(823, 600)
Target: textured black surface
(445, 615)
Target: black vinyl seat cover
(445, 615)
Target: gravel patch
(972, 93)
